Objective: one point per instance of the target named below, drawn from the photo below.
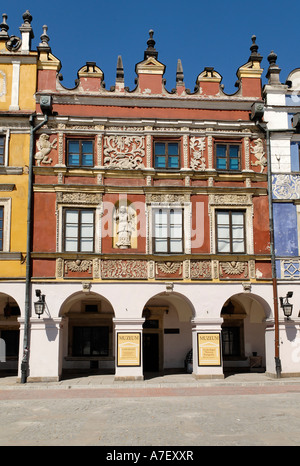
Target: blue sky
(200, 33)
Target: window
(228, 156)
(79, 230)
(1, 227)
(166, 154)
(168, 231)
(90, 341)
(231, 341)
(230, 231)
(2, 149)
(11, 338)
(80, 152)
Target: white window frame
(6, 204)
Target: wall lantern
(39, 306)
(286, 306)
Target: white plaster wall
(276, 119)
(280, 155)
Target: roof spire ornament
(44, 38)
(150, 52)
(255, 56)
(4, 26)
(179, 72)
(273, 70)
(120, 69)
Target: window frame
(80, 141)
(167, 156)
(227, 157)
(2, 150)
(78, 342)
(154, 225)
(79, 224)
(231, 239)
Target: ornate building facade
(150, 234)
(282, 103)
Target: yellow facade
(18, 78)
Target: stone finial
(255, 56)
(150, 52)
(44, 38)
(120, 69)
(179, 73)
(273, 70)
(27, 18)
(4, 26)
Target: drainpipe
(26, 345)
(273, 262)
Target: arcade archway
(167, 333)
(87, 337)
(9, 335)
(243, 333)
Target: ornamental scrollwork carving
(259, 154)
(197, 147)
(124, 269)
(44, 147)
(124, 152)
(201, 269)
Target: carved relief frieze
(44, 147)
(78, 198)
(167, 198)
(169, 268)
(233, 268)
(200, 269)
(197, 147)
(230, 199)
(126, 269)
(78, 266)
(124, 152)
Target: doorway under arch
(87, 335)
(9, 335)
(243, 334)
(167, 333)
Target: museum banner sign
(209, 349)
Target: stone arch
(9, 334)
(87, 333)
(243, 332)
(167, 332)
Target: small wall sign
(209, 349)
(129, 349)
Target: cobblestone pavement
(169, 412)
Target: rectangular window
(230, 230)
(168, 231)
(166, 155)
(79, 230)
(80, 153)
(231, 341)
(90, 341)
(2, 149)
(1, 227)
(228, 156)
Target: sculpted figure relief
(44, 148)
(124, 222)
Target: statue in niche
(125, 226)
